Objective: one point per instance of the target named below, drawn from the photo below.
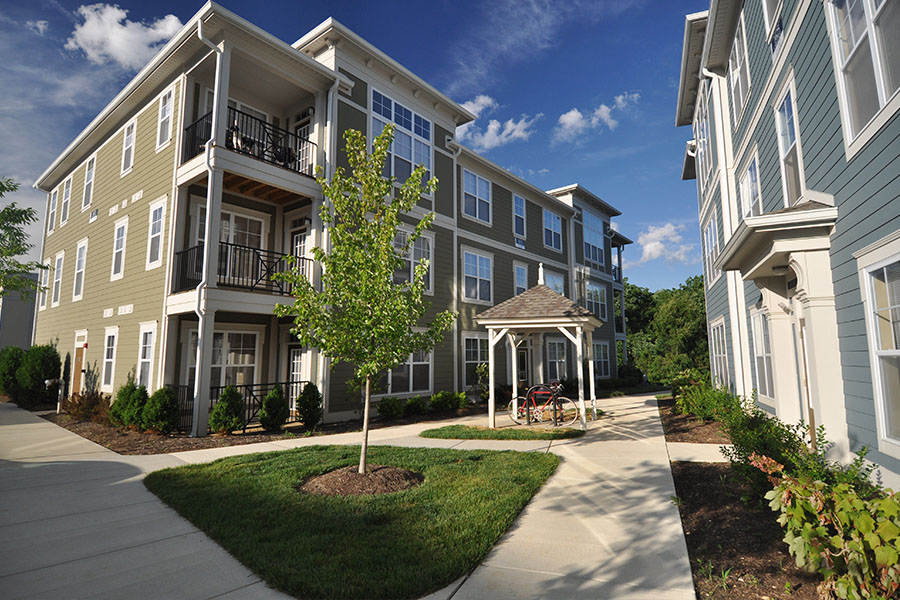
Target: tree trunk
(365, 440)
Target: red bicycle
(543, 403)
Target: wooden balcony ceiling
(250, 187)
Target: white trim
(87, 163)
(789, 87)
(157, 205)
(770, 20)
(524, 216)
(52, 200)
(113, 276)
(81, 338)
(133, 125)
(45, 284)
(409, 393)
(597, 360)
(107, 331)
(463, 250)
(170, 91)
(711, 273)
(551, 273)
(489, 200)
(741, 174)
(65, 204)
(472, 335)
(718, 349)
(738, 115)
(58, 266)
(552, 231)
(427, 235)
(82, 243)
(146, 327)
(755, 333)
(501, 247)
(410, 131)
(519, 265)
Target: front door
(77, 373)
(295, 374)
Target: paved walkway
(77, 522)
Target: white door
(298, 247)
(295, 375)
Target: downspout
(457, 150)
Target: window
(45, 280)
(763, 353)
(233, 358)
(595, 299)
(556, 360)
(154, 236)
(552, 230)
(519, 220)
(769, 12)
(594, 240)
(412, 375)
(421, 250)
(601, 360)
(711, 249)
(412, 137)
(80, 258)
(164, 126)
(476, 197)
(867, 56)
(118, 257)
(128, 148)
(51, 214)
(64, 205)
(882, 284)
(520, 277)
(478, 277)
(476, 353)
(555, 282)
(701, 135)
(146, 341)
(88, 182)
(739, 73)
(789, 150)
(57, 278)
(751, 201)
(719, 356)
(109, 358)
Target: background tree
(640, 305)
(14, 244)
(362, 315)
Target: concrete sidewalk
(76, 520)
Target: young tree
(14, 243)
(362, 315)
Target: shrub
(309, 406)
(390, 407)
(10, 360)
(415, 406)
(274, 410)
(128, 408)
(448, 401)
(160, 413)
(630, 375)
(39, 364)
(66, 374)
(228, 413)
(707, 402)
(686, 378)
(88, 406)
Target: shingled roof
(535, 303)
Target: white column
(538, 358)
(590, 355)
(491, 420)
(202, 374)
(514, 361)
(579, 355)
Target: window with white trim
(164, 120)
(789, 149)
(421, 250)
(146, 343)
(475, 353)
(476, 197)
(80, 260)
(601, 360)
(410, 376)
(155, 234)
(774, 27)
(718, 353)
(594, 239)
(519, 220)
(762, 352)
(64, 205)
(128, 147)
(57, 278)
(868, 57)
(595, 299)
(45, 281)
(701, 136)
(555, 282)
(556, 360)
(51, 213)
(478, 276)
(520, 278)
(552, 230)
(711, 248)
(110, 341)
(739, 73)
(88, 182)
(118, 255)
(751, 200)
(412, 137)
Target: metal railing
(240, 267)
(254, 137)
(616, 274)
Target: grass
(466, 432)
(399, 545)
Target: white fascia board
(683, 80)
(720, 30)
(589, 195)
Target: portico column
(514, 361)
(491, 419)
(590, 355)
(579, 359)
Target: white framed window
(80, 260)
(595, 299)
(64, 205)
(412, 137)
(711, 249)
(110, 341)
(739, 73)
(866, 51)
(718, 353)
(421, 250)
(164, 119)
(476, 197)
(774, 28)
(155, 234)
(751, 200)
(57, 278)
(701, 135)
(88, 194)
(519, 231)
(520, 278)
(789, 151)
(45, 281)
(128, 147)
(51, 212)
(234, 359)
(478, 280)
(555, 282)
(762, 352)
(146, 344)
(594, 240)
(475, 352)
(411, 376)
(552, 230)
(556, 360)
(601, 360)
(120, 233)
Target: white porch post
(579, 354)
(590, 354)
(538, 359)
(491, 420)
(514, 360)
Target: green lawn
(466, 432)
(400, 545)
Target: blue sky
(566, 92)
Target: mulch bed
(347, 481)
(736, 549)
(686, 428)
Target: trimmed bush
(390, 407)
(309, 407)
(415, 406)
(687, 378)
(448, 401)
(160, 413)
(707, 402)
(228, 413)
(274, 410)
(39, 364)
(89, 406)
(128, 409)
(10, 361)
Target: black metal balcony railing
(239, 267)
(616, 274)
(254, 137)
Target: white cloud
(39, 27)
(495, 133)
(570, 125)
(107, 36)
(666, 242)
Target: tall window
(45, 280)
(601, 359)
(145, 354)
(128, 147)
(763, 354)
(884, 294)
(595, 299)
(556, 360)
(594, 240)
(476, 353)
(788, 150)
(476, 197)
(164, 126)
(412, 137)
(64, 205)
(154, 236)
(520, 273)
(519, 220)
(555, 282)
(109, 357)
(88, 182)
(710, 249)
(51, 213)
(80, 258)
(739, 73)
(118, 256)
(552, 230)
(57, 278)
(867, 48)
(420, 251)
(718, 354)
(701, 135)
(751, 201)
(412, 375)
(478, 276)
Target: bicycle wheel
(567, 412)
(516, 410)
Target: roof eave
(683, 115)
(577, 187)
(720, 30)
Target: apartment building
(17, 317)
(133, 287)
(796, 153)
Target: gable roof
(536, 303)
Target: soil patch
(347, 481)
(687, 428)
(736, 549)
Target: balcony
(240, 267)
(616, 274)
(253, 137)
